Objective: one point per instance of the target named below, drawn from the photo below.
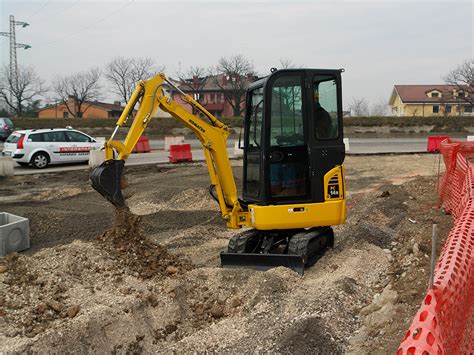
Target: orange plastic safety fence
(444, 323)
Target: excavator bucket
(106, 179)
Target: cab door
(325, 130)
(286, 156)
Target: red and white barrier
(444, 323)
(180, 153)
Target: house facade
(431, 100)
(90, 109)
(211, 93)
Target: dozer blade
(262, 262)
(106, 180)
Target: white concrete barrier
(14, 233)
(170, 140)
(6, 165)
(238, 152)
(346, 143)
(470, 138)
(96, 157)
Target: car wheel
(40, 160)
(22, 164)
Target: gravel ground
(148, 279)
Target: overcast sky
(379, 43)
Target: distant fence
(444, 323)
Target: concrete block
(170, 140)
(346, 143)
(6, 165)
(96, 157)
(238, 152)
(14, 233)
(470, 138)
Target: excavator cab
(293, 137)
(293, 181)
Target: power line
(88, 27)
(62, 10)
(39, 10)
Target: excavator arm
(107, 178)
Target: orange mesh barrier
(444, 323)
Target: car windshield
(8, 122)
(14, 137)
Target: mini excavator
(293, 187)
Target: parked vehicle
(41, 147)
(6, 128)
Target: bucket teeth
(107, 179)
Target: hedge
(165, 125)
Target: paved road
(158, 155)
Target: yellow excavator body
(293, 187)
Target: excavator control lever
(106, 179)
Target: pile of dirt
(37, 291)
(404, 215)
(126, 243)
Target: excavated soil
(148, 279)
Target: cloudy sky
(379, 43)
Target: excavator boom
(107, 178)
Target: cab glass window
(77, 137)
(55, 137)
(254, 136)
(287, 112)
(255, 118)
(325, 107)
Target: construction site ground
(95, 280)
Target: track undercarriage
(262, 250)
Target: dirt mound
(127, 244)
(50, 287)
(38, 290)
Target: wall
(58, 112)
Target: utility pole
(13, 47)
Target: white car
(41, 147)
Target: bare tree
(359, 107)
(286, 63)
(76, 91)
(463, 78)
(18, 96)
(380, 108)
(232, 75)
(124, 73)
